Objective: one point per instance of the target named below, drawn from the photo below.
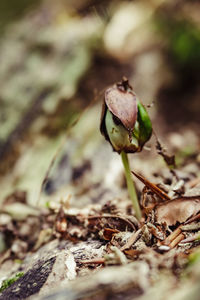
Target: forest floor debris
(107, 234)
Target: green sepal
(145, 126)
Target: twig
(174, 238)
(133, 238)
(97, 261)
(152, 187)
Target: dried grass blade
(153, 187)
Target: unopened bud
(124, 122)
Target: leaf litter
(164, 240)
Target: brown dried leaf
(121, 223)
(108, 233)
(177, 210)
(133, 253)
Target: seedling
(126, 125)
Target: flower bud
(124, 121)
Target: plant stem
(131, 186)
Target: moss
(7, 282)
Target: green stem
(130, 185)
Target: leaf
(172, 211)
(108, 233)
(177, 210)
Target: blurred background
(57, 57)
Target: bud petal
(123, 105)
(124, 121)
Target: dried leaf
(108, 233)
(121, 223)
(177, 210)
(133, 253)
